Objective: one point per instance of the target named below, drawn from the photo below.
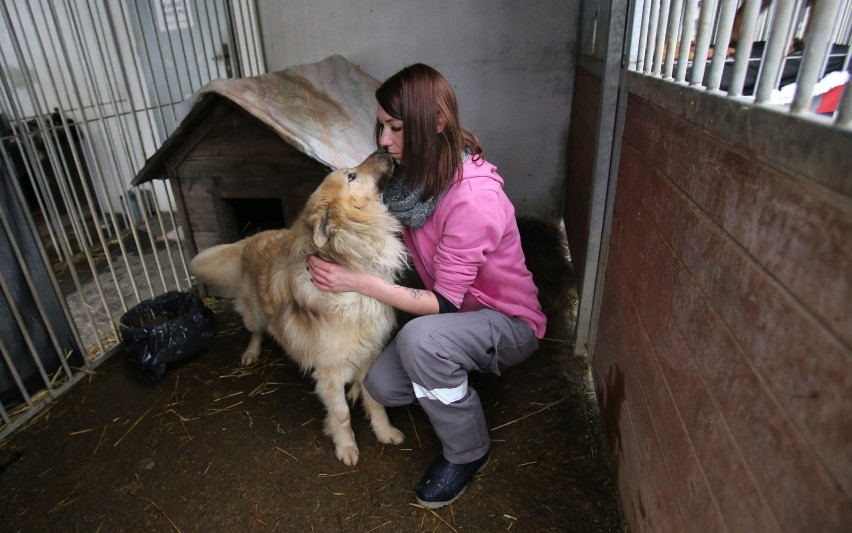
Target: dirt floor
(217, 447)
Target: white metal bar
(686, 36)
(745, 41)
(674, 25)
(643, 35)
(151, 129)
(654, 19)
(824, 15)
(660, 46)
(90, 79)
(702, 41)
(24, 329)
(35, 295)
(776, 49)
(723, 39)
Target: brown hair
(417, 95)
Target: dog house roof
(325, 110)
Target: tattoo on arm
(415, 293)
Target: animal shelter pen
(89, 90)
(707, 208)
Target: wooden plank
(235, 122)
(797, 231)
(735, 493)
(660, 386)
(262, 166)
(580, 162)
(807, 368)
(298, 186)
(654, 494)
(794, 482)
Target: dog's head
(348, 197)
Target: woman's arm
(337, 278)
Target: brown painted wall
(584, 116)
(722, 356)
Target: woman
(480, 309)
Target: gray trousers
(429, 360)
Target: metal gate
(88, 90)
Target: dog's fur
(335, 335)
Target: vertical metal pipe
(751, 9)
(236, 45)
(652, 35)
(63, 246)
(100, 99)
(702, 41)
(686, 35)
(671, 38)
(136, 161)
(77, 86)
(824, 15)
(776, 49)
(29, 152)
(25, 271)
(151, 135)
(660, 39)
(254, 36)
(643, 35)
(23, 327)
(723, 39)
(227, 58)
(205, 55)
(7, 358)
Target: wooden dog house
(250, 151)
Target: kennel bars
(88, 91)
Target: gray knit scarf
(407, 206)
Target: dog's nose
(382, 155)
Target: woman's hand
(331, 276)
(337, 278)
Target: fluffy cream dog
(334, 335)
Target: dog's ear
(320, 220)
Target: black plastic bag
(165, 330)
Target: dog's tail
(220, 267)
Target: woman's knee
(388, 385)
(410, 342)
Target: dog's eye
(352, 176)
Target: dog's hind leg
(338, 420)
(255, 322)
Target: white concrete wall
(511, 63)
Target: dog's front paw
(347, 453)
(389, 435)
(249, 358)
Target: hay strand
(157, 507)
(546, 407)
(435, 514)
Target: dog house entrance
(253, 215)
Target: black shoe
(446, 481)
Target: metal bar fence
(784, 53)
(88, 91)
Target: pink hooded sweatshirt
(469, 249)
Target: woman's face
(391, 134)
